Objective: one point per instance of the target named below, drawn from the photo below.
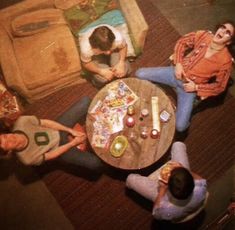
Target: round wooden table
(140, 152)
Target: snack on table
(118, 146)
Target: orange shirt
(201, 69)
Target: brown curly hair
(102, 38)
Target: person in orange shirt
(202, 67)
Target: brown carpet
(103, 202)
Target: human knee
(181, 126)
(95, 164)
(86, 100)
(140, 73)
(130, 180)
(178, 148)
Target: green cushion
(78, 18)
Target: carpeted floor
(101, 201)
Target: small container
(144, 112)
(165, 116)
(118, 146)
(130, 110)
(154, 133)
(130, 122)
(144, 132)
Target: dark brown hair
(181, 183)
(102, 38)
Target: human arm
(206, 89)
(190, 86)
(184, 43)
(145, 186)
(179, 71)
(119, 68)
(61, 149)
(60, 127)
(87, 53)
(106, 73)
(219, 83)
(161, 192)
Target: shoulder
(171, 208)
(27, 119)
(206, 34)
(200, 187)
(85, 47)
(203, 35)
(227, 57)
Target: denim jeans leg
(184, 107)
(82, 159)
(75, 113)
(74, 156)
(164, 75)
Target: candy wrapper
(110, 112)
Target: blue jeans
(166, 75)
(76, 114)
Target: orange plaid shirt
(200, 69)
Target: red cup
(154, 133)
(130, 122)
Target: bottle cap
(154, 133)
(144, 112)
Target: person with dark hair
(177, 192)
(102, 38)
(181, 183)
(103, 54)
(202, 67)
(37, 140)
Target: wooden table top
(140, 152)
